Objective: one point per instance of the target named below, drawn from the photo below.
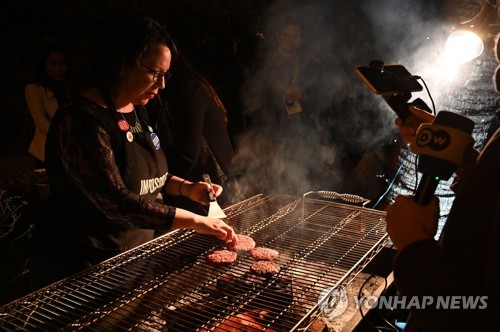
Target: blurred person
(284, 97)
(45, 93)
(287, 88)
(104, 161)
(192, 121)
(465, 261)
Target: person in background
(286, 89)
(192, 121)
(45, 94)
(465, 261)
(283, 97)
(104, 160)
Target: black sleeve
(466, 260)
(82, 159)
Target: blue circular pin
(155, 140)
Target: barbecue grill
(168, 285)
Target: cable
(428, 93)
(10, 213)
(378, 328)
(392, 182)
(415, 163)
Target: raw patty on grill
(222, 257)
(265, 268)
(245, 243)
(265, 254)
(242, 322)
(239, 323)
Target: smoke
(413, 34)
(342, 147)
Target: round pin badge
(155, 140)
(123, 125)
(130, 136)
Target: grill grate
(167, 285)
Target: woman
(193, 120)
(45, 94)
(104, 161)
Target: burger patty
(241, 322)
(245, 243)
(265, 254)
(222, 257)
(265, 268)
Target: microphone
(442, 146)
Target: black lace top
(85, 163)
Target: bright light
(463, 46)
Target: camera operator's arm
(408, 221)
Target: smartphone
(388, 79)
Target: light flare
(463, 46)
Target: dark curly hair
(118, 41)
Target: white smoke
(342, 35)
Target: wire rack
(168, 285)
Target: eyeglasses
(158, 74)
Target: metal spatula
(214, 210)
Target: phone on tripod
(394, 83)
(388, 79)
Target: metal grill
(167, 284)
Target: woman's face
(56, 66)
(139, 84)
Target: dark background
(208, 32)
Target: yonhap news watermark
(447, 302)
(335, 302)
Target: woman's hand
(408, 221)
(204, 225)
(215, 227)
(408, 128)
(199, 191)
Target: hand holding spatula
(214, 210)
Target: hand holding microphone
(409, 221)
(442, 146)
(408, 128)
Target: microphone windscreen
(454, 120)
(443, 145)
